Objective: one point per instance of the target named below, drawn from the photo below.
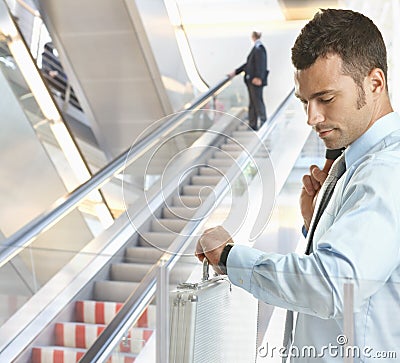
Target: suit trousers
(256, 105)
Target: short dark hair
(349, 34)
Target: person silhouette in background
(55, 76)
(255, 77)
(52, 66)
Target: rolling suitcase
(199, 317)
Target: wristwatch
(224, 257)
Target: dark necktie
(337, 170)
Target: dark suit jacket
(256, 64)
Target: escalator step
(229, 154)
(132, 272)
(117, 291)
(57, 354)
(212, 171)
(96, 312)
(179, 212)
(243, 134)
(79, 335)
(232, 146)
(54, 354)
(205, 179)
(142, 254)
(220, 162)
(102, 312)
(156, 239)
(187, 201)
(135, 272)
(234, 149)
(167, 225)
(201, 190)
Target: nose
(314, 114)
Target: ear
(377, 81)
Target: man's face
(330, 101)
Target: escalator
(116, 264)
(72, 338)
(99, 284)
(111, 65)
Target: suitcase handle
(206, 266)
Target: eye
(326, 100)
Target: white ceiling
(195, 12)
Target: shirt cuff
(240, 265)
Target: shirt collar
(376, 133)
(257, 43)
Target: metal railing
(145, 292)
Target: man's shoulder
(389, 148)
(384, 160)
(259, 46)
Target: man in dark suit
(255, 77)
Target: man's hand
(211, 244)
(311, 185)
(256, 81)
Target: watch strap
(224, 257)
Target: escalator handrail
(25, 235)
(136, 303)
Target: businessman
(255, 78)
(340, 77)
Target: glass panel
(25, 163)
(54, 159)
(12, 73)
(47, 131)
(35, 266)
(140, 339)
(144, 177)
(232, 96)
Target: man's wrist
(224, 258)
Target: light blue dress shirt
(357, 239)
